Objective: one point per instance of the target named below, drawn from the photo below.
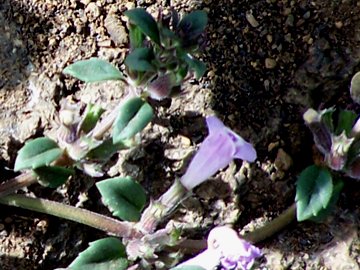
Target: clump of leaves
(161, 54)
(336, 136)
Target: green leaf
(314, 188)
(136, 36)
(327, 118)
(140, 60)
(345, 122)
(188, 267)
(145, 22)
(193, 24)
(133, 117)
(37, 153)
(92, 116)
(196, 65)
(123, 196)
(104, 254)
(53, 176)
(338, 186)
(105, 150)
(93, 70)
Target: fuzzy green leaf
(140, 60)
(93, 70)
(133, 117)
(314, 188)
(91, 117)
(338, 186)
(193, 24)
(145, 22)
(53, 176)
(105, 150)
(37, 153)
(196, 65)
(345, 122)
(123, 196)
(104, 254)
(136, 37)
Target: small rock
(307, 15)
(283, 160)
(270, 63)
(290, 20)
(339, 24)
(92, 11)
(116, 30)
(251, 20)
(85, 2)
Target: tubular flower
(219, 148)
(227, 251)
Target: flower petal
(208, 259)
(215, 153)
(244, 150)
(214, 124)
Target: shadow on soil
(266, 74)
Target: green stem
(20, 181)
(191, 246)
(83, 216)
(272, 227)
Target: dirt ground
(268, 61)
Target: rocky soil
(268, 61)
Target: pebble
(92, 11)
(115, 29)
(270, 63)
(290, 20)
(283, 160)
(8, 220)
(251, 20)
(2, 226)
(85, 2)
(339, 24)
(307, 15)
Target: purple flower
(216, 152)
(227, 250)
(235, 253)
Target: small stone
(8, 220)
(92, 11)
(269, 38)
(283, 160)
(272, 146)
(290, 20)
(339, 24)
(236, 49)
(307, 15)
(2, 226)
(211, 74)
(85, 2)
(270, 63)
(251, 20)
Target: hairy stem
(161, 208)
(83, 216)
(20, 181)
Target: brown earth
(268, 61)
